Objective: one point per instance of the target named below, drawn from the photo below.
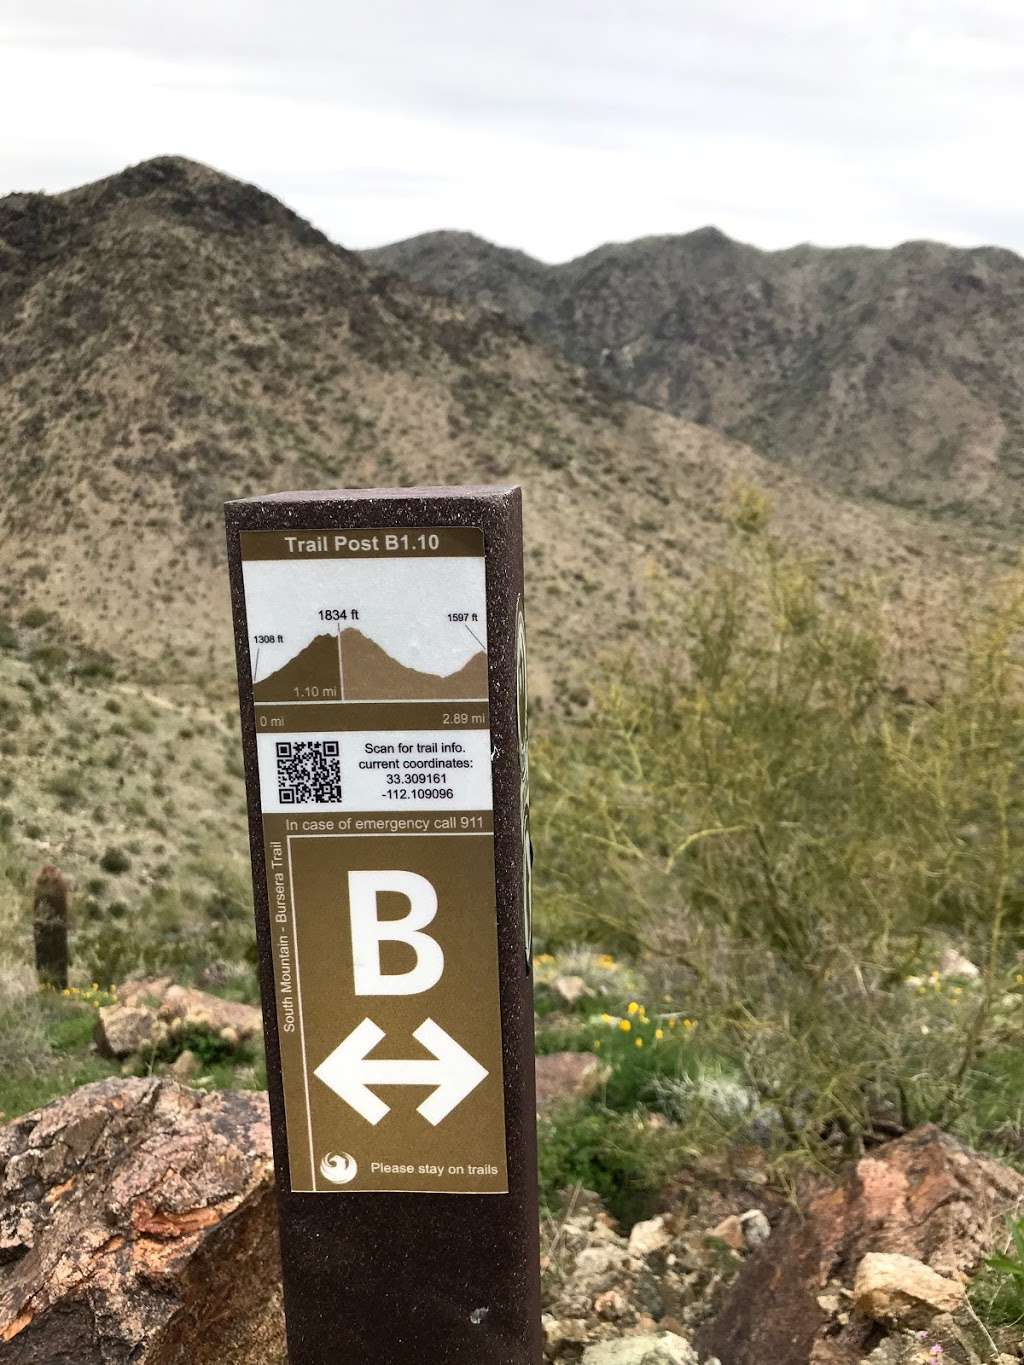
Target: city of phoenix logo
(339, 1168)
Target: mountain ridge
(171, 338)
(894, 374)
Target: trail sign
(381, 657)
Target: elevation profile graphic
(349, 666)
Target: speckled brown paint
(392, 1279)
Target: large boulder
(150, 1012)
(923, 1199)
(127, 1030)
(137, 1223)
(892, 1288)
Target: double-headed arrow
(349, 1071)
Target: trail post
(381, 661)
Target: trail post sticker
(370, 691)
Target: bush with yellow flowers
(780, 823)
(638, 1046)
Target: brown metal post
(381, 665)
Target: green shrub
(998, 1291)
(67, 786)
(208, 1046)
(49, 659)
(115, 860)
(623, 1158)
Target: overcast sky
(551, 125)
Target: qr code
(308, 772)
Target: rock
(831, 1303)
(904, 1348)
(186, 1066)
(660, 1348)
(954, 964)
(924, 1196)
(559, 1332)
(612, 1304)
(194, 1009)
(566, 1076)
(571, 989)
(124, 1030)
(894, 1288)
(742, 1231)
(600, 1286)
(595, 1263)
(596, 1272)
(755, 1229)
(649, 1237)
(137, 1222)
(729, 1231)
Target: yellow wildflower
(639, 1042)
(625, 1025)
(659, 1033)
(632, 1008)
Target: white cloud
(547, 124)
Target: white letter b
(369, 932)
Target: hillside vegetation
(824, 879)
(793, 894)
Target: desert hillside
(894, 375)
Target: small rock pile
(617, 1300)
